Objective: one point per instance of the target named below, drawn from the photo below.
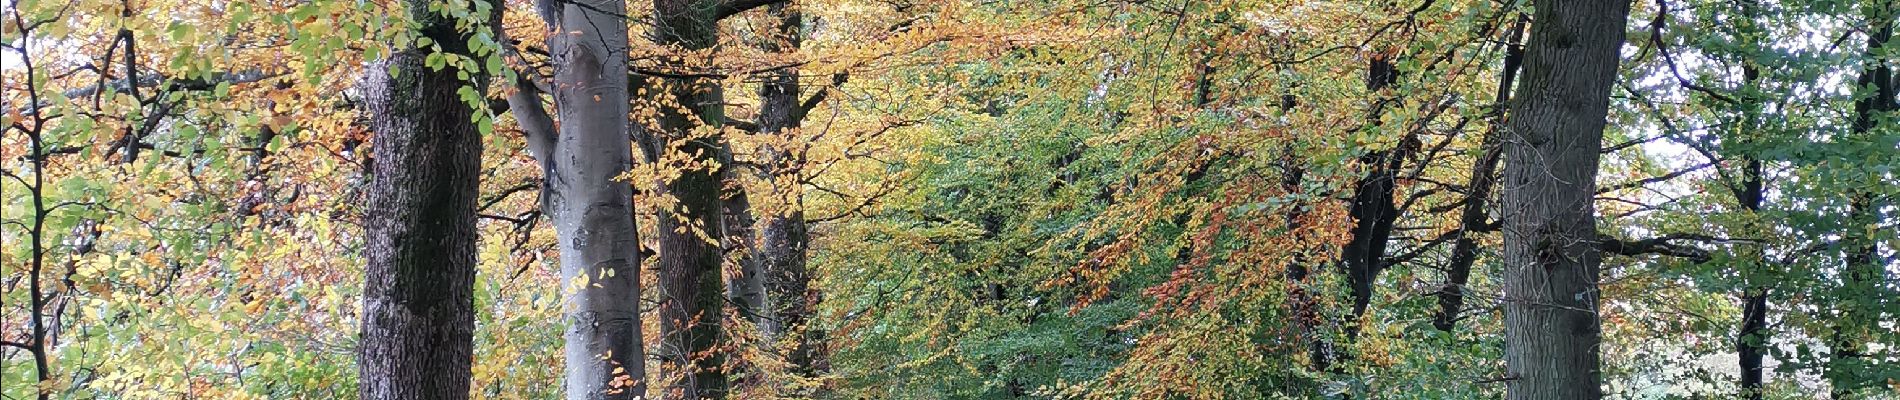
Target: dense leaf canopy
(1247, 199)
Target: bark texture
(418, 299)
(592, 212)
(691, 285)
(1551, 254)
(783, 236)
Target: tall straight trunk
(1464, 250)
(691, 288)
(745, 282)
(691, 295)
(1551, 257)
(1751, 340)
(592, 212)
(784, 237)
(1863, 272)
(418, 295)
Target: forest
(950, 199)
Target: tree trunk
(1551, 256)
(745, 290)
(418, 297)
(691, 295)
(1464, 250)
(784, 238)
(1372, 210)
(1751, 341)
(1863, 274)
(592, 212)
(745, 285)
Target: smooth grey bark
(745, 289)
(1475, 216)
(745, 284)
(418, 295)
(748, 288)
(1551, 254)
(592, 213)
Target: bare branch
(1654, 179)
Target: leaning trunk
(1372, 210)
(1475, 217)
(418, 297)
(1550, 255)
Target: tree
(418, 302)
(581, 159)
(1551, 155)
(690, 116)
(1875, 98)
(1475, 217)
(784, 238)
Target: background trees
(891, 199)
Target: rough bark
(1551, 256)
(592, 212)
(418, 297)
(1475, 216)
(784, 237)
(691, 289)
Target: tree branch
(1654, 179)
(819, 97)
(1661, 245)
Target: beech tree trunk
(1551, 255)
(1751, 341)
(418, 294)
(592, 212)
(745, 289)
